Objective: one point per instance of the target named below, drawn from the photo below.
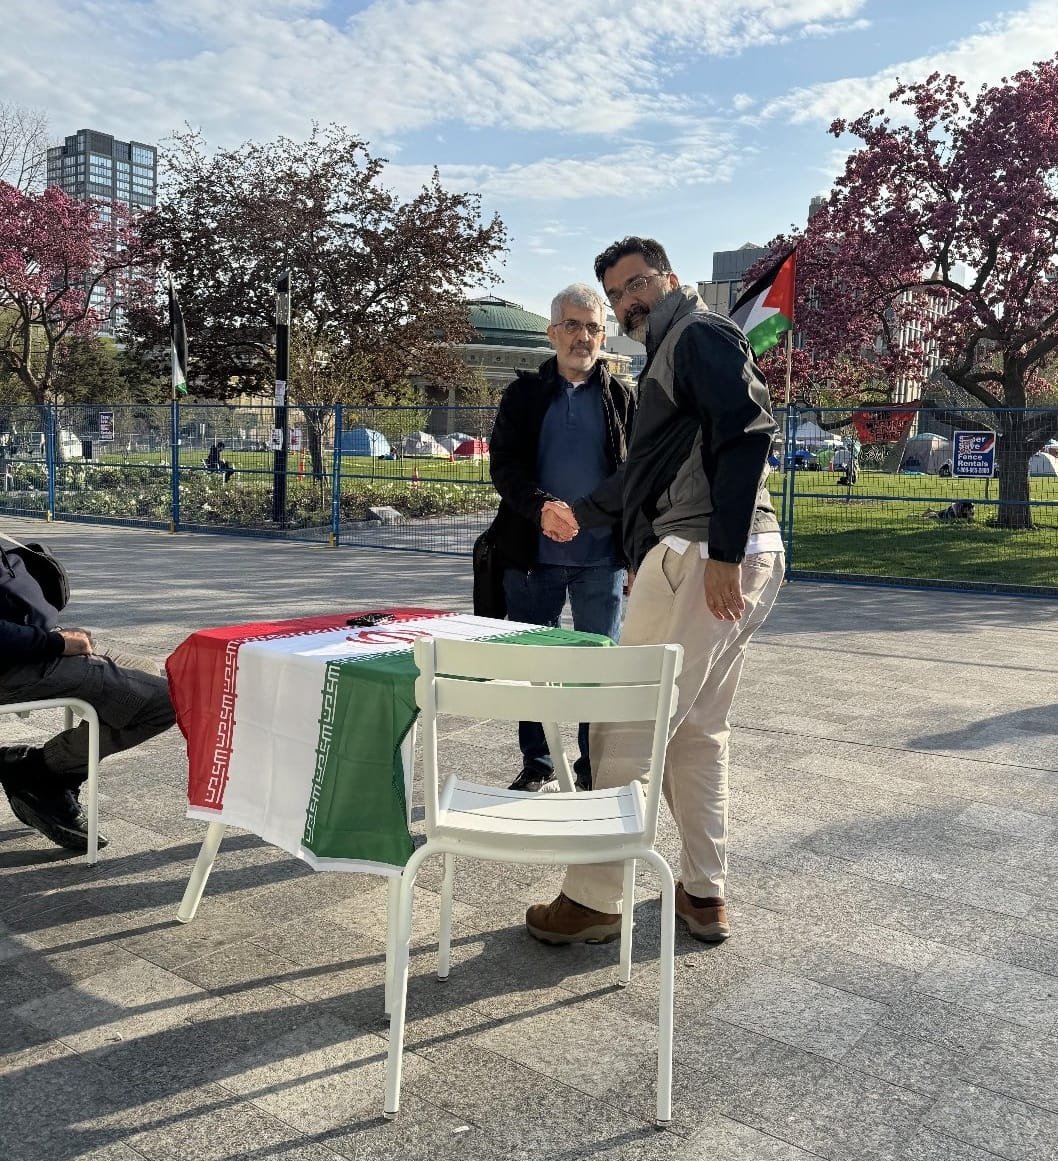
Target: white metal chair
(493, 680)
(73, 706)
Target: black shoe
(531, 780)
(58, 816)
(21, 766)
(582, 770)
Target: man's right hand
(557, 521)
(76, 641)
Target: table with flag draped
(294, 728)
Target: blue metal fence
(393, 478)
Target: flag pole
(789, 367)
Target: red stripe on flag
(781, 294)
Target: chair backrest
(545, 683)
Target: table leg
(196, 885)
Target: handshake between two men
(557, 521)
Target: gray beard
(638, 334)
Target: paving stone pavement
(890, 990)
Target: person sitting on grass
(214, 463)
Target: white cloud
(251, 70)
(997, 49)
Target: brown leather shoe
(706, 921)
(564, 921)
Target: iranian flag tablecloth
(294, 728)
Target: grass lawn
(879, 528)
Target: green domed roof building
(507, 324)
(509, 339)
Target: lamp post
(279, 433)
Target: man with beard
(700, 531)
(560, 432)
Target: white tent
(926, 452)
(1043, 465)
(422, 443)
(451, 441)
(812, 436)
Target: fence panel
(24, 475)
(860, 494)
(406, 484)
(904, 515)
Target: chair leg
(402, 947)
(668, 951)
(558, 755)
(92, 803)
(444, 934)
(627, 914)
(196, 885)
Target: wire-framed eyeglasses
(572, 327)
(633, 286)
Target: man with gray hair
(560, 434)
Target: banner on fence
(106, 426)
(973, 453)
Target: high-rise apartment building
(97, 167)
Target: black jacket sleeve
(21, 644)
(512, 456)
(717, 379)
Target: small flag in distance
(177, 343)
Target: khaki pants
(667, 604)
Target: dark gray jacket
(697, 457)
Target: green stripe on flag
(766, 334)
(357, 808)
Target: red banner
(884, 424)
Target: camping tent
(812, 436)
(421, 443)
(364, 441)
(926, 452)
(452, 441)
(471, 449)
(1043, 465)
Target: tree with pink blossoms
(54, 252)
(957, 183)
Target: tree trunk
(1013, 452)
(315, 419)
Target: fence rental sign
(973, 453)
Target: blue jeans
(537, 598)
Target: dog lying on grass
(956, 510)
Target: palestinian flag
(177, 343)
(294, 728)
(765, 310)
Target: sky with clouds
(700, 122)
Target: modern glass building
(97, 166)
(94, 166)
